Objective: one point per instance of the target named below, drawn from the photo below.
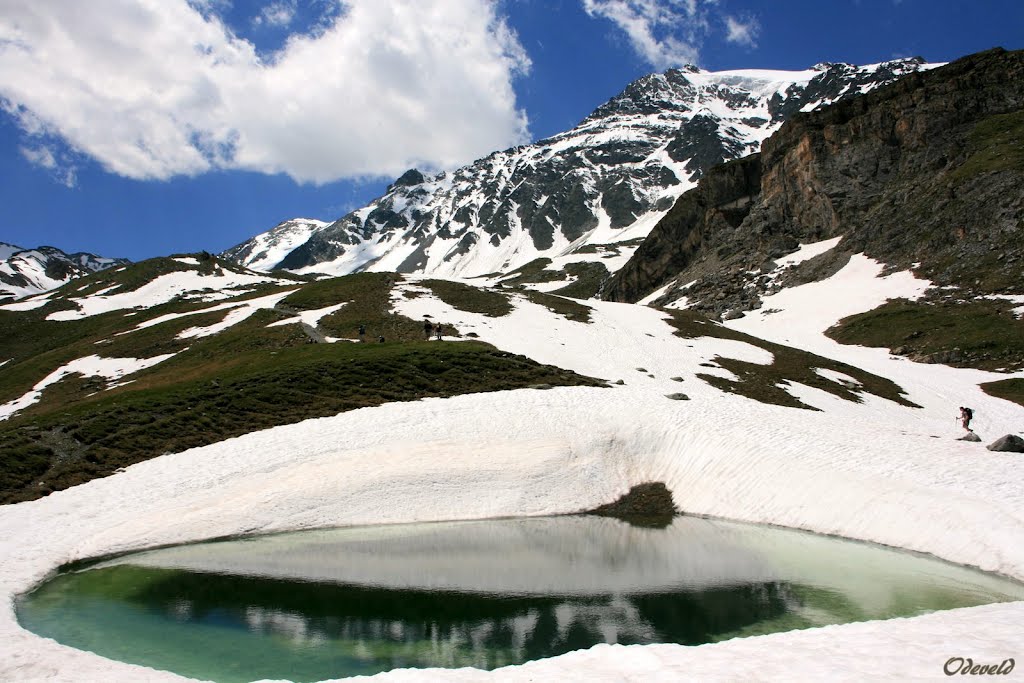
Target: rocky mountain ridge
(24, 272)
(608, 180)
(927, 173)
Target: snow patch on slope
(311, 317)
(90, 366)
(799, 315)
(239, 311)
(179, 284)
(28, 304)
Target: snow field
(526, 452)
(874, 471)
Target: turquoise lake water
(313, 605)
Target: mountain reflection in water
(328, 603)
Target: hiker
(362, 332)
(439, 329)
(380, 339)
(428, 329)
(966, 415)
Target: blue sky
(139, 128)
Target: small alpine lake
(313, 605)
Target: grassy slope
(567, 308)
(589, 276)
(247, 378)
(1008, 389)
(470, 299)
(978, 334)
(499, 304)
(533, 272)
(996, 144)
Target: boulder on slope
(1011, 443)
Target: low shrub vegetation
(589, 276)
(470, 299)
(571, 310)
(1009, 389)
(996, 144)
(980, 334)
(239, 391)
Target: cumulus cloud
(742, 31)
(157, 88)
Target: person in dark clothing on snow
(966, 415)
(440, 328)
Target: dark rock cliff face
(677, 244)
(926, 173)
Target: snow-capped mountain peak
(8, 250)
(606, 181)
(24, 272)
(266, 250)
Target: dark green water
(332, 603)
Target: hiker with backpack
(966, 415)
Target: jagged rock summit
(24, 272)
(926, 173)
(608, 180)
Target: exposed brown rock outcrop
(647, 504)
(926, 171)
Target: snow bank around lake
(874, 471)
(532, 452)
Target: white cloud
(59, 166)
(665, 33)
(159, 88)
(670, 33)
(279, 14)
(207, 6)
(742, 31)
(39, 156)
